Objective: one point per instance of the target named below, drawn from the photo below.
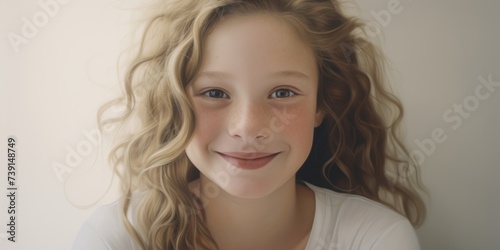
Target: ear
(318, 118)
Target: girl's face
(254, 100)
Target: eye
(282, 93)
(216, 93)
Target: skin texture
(254, 95)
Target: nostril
(248, 124)
(263, 133)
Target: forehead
(256, 44)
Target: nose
(249, 121)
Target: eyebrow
(213, 75)
(219, 75)
(289, 74)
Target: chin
(250, 189)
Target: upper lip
(247, 155)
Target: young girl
(263, 125)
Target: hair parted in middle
(356, 149)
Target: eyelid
(206, 91)
(286, 88)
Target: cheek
(300, 134)
(207, 124)
(299, 127)
(207, 127)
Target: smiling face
(254, 99)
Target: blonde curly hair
(356, 149)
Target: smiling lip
(248, 160)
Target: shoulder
(355, 222)
(104, 229)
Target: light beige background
(52, 86)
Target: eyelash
(290, 93)
(226, 96)
(207, 93)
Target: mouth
(248, 161)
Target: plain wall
(441, 50)
(53, 83)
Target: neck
(259, 223)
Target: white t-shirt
(341, 222)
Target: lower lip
(249, 163)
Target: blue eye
(215, 93)
(282, 93)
